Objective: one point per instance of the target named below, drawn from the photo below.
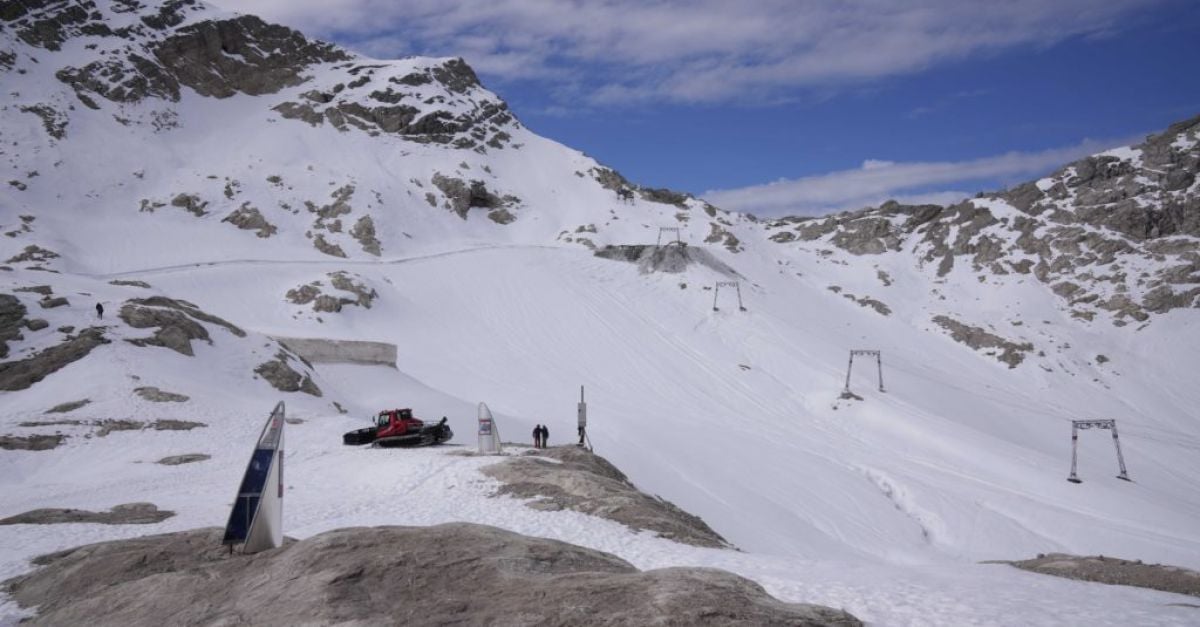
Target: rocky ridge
(1114, 235)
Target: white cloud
(916, 182)
(695, 50)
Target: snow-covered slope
(238, 167)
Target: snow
(883, 506)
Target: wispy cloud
(694, 50)
(946, 102)
(876, 181)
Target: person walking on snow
(99, 310)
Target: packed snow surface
(883, 504)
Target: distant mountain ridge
(1111, 233)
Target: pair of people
(540, 436)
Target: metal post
(879, 363)
(1073, 478)
(716, 292)
(582, 418)
(849, 369)
(1120, 458)
(739, 295)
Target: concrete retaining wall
(323, 351)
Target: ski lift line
(1060, 412)
(668, 229)
(1056, 411)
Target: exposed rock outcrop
(249, 218)
(462, 196)
(156, 395)
(359, 293)
(12, 319)
(188, 458)
(364, 231)
(23, 373)
(1006, 351)
(37, 442)
(585, 482)
(478, 575)
(1114, 571)
(177, 323)
(282, 377)
(127, 514)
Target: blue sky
(801, 106)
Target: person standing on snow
(99, 310)
(545, 436)
(537, 436)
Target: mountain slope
(294, 189)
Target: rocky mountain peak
(127, 52)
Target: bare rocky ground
(1111, 570)
(584, 482)
(455, 573)
(126, 514)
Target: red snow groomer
(398, 427)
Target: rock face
(447, 574)
(585, 482)
(241, 55)
(440, 103)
